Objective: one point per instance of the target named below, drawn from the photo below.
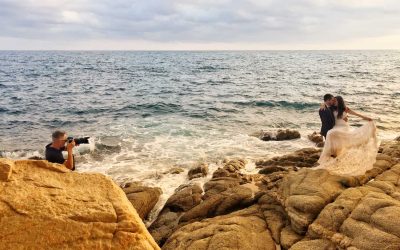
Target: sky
(199, 25)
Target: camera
(83, 140)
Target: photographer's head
(59, 139)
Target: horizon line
(199, 50)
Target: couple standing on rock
(347, 151)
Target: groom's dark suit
(327, 119)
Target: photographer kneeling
(54, 150)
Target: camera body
(83, 140)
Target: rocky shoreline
(286, 205)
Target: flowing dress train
(349, 151)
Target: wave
(276, 104)
(153, 108)
(3, 110)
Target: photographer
(54, 150)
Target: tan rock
(222, 195)
(274, 214)
(46, 206)
(365, 217)
(175, 170)
(198, 171)
(316, 137)
(306, 157)
(316, 244)
(142, 198)
(391, 148)
(307, 192)
(289, 237)
(221, 203)
(185, 198)
(244, 229)
(279, 135)
(6, 167)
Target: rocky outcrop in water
(198, 171)
(46, 206)
(317, 138)
(279, 135)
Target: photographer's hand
(70, 146)
(69, 163)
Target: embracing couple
(347, 150)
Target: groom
(326, 114)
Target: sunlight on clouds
(71, 17)
(208, 24)
(79, 18)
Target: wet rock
(38, 158)
(142, 198)
(279, 135)
(198, 171)
(306, 157)
(317, 138)
(174, 170)
(244, 229)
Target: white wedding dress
(349, 151)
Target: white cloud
(184, 23)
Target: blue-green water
(148, 111)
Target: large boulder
(244, 229)
(306, 192)
(46, 206)
(142, 198)
(365, 217)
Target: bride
(349, 151)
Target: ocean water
(149, 111)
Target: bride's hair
(341, 107)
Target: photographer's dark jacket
(327, 119)
(55, 155)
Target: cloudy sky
(205, 24)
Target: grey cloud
(200, 21)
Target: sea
(149, 111)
